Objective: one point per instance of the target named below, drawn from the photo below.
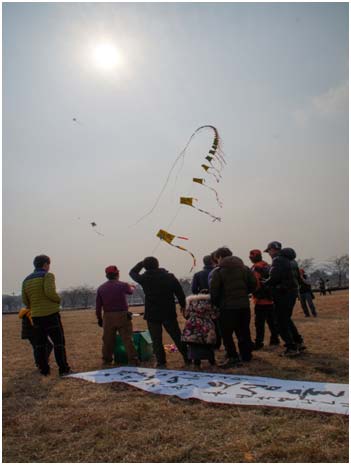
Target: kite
(190, 202)
(93, 224)
(75, 120)
(203, 183)
(168, 237)
(215, 151)
(216, 162)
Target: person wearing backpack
(264, 306)
(283, 281)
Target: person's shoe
(274, 342)
(257, 346)
(301, 347)
(290, 353)
(231, 363)
(45, 372)
(187, 362)
(315, 315)
(66, 372)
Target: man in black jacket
(284, 281)
(230, 285)
(160, 288)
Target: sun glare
(106, 56)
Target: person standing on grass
(322, 290)
(160, 288)
(306, 296)
(40, 296)
(200, 279)
(264, 306)
(283, 281)
(111, 299)
(230, 286)
(327, 287)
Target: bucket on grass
(142, 343)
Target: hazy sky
(273, 78)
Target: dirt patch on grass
(56, 420)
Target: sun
(106, 56)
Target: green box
(142, 343)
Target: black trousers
(172, 328)
(44, 327)
(236, 320)
(263, 314)
(48, 349)
(284, 305)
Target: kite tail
(167, 179)
(190, 253)
(216, 193)
(215, 218)
(217, 178)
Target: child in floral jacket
(199, 332)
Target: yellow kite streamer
(203, 183)
(190, 202)
(216, 151)
(207, 169)
(168, 237)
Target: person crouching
(200, 331)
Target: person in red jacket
(264, 306)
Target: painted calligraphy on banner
(230, 389)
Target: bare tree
(11, 303)
(87, 295)
(306, 264)
(340, 267)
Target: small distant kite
(76, 121)
(93, 225)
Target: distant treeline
(336, 271)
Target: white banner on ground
(229, 389)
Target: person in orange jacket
(264, 306)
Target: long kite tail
(203, 183)
(182, 154)
(188, 251)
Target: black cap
(273, 245)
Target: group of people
(218, 309)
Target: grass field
(67, 420)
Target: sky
(271, 77)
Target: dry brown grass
(56, 420)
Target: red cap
(111, 269)
(255, 253)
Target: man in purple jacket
(111, 297)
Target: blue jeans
(307, 304)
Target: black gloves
(100, 322)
